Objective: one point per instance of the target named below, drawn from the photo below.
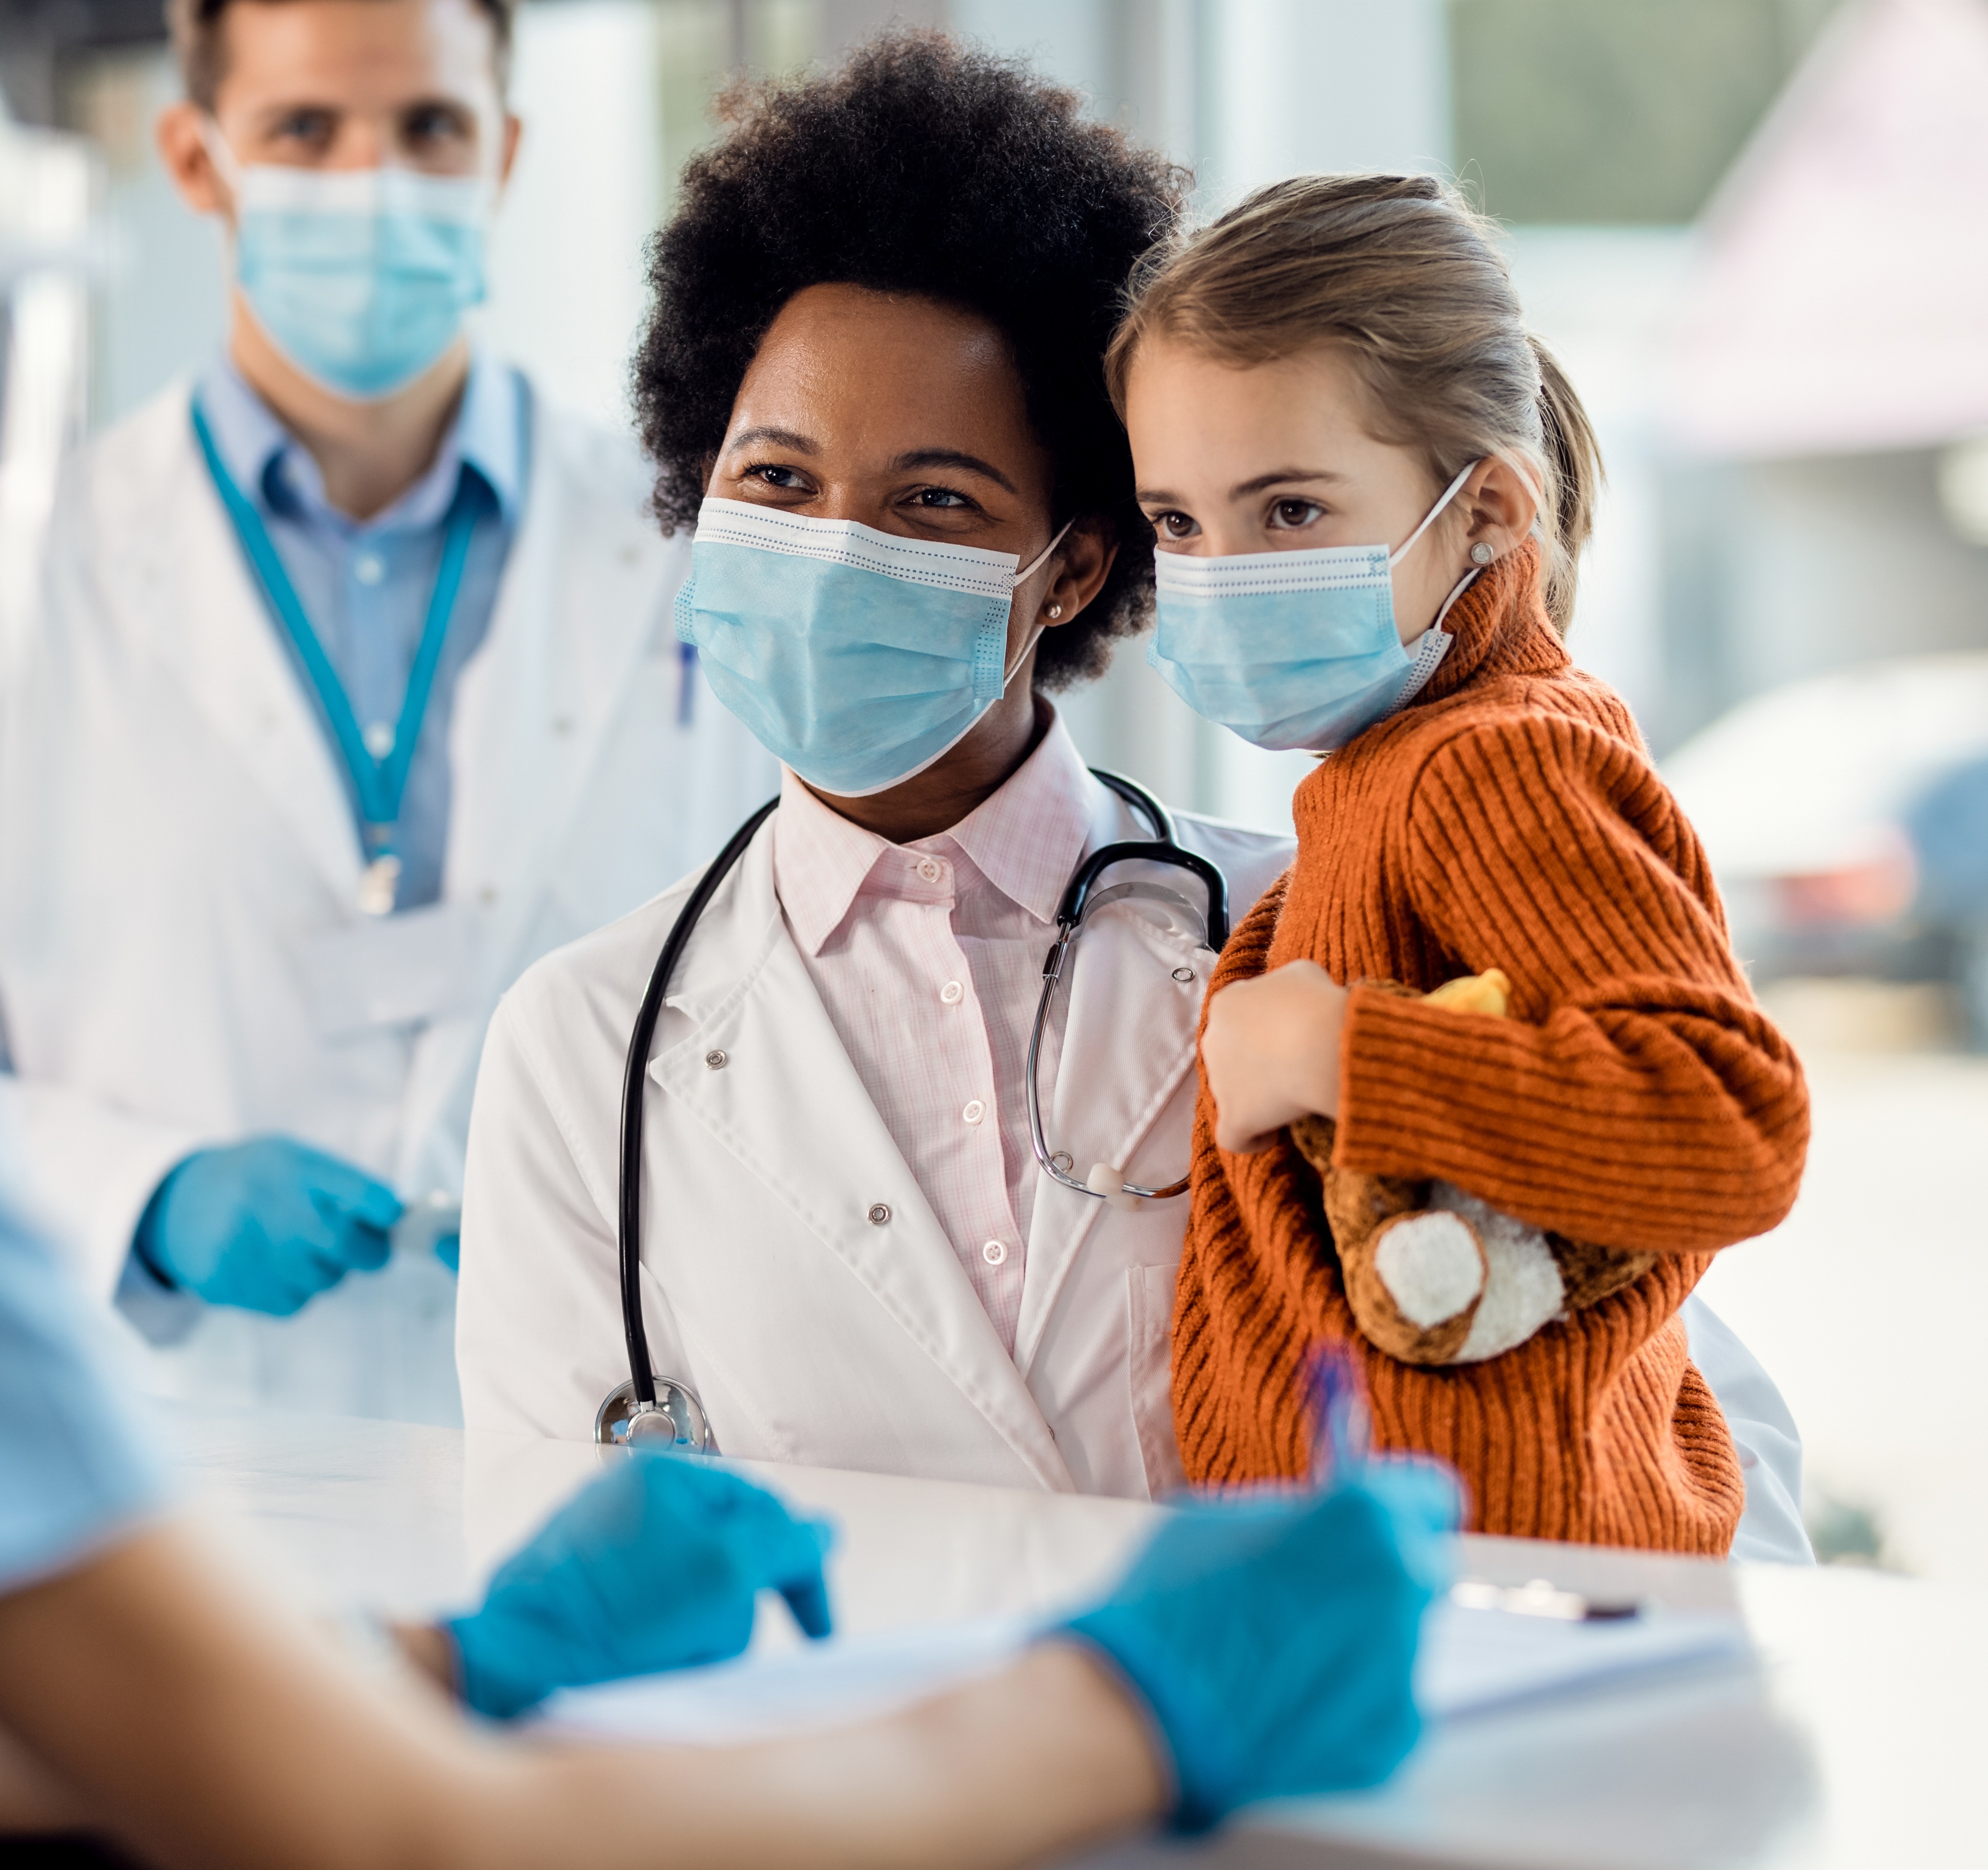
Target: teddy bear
(1433, 1274)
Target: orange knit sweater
(1509, 817)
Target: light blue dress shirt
(365, 584)
(73, 1477)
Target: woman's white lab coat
(182, 957)
(809, 1332)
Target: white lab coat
(809, 1334)
(182, 958)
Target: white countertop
(1853, 1742)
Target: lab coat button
(880, 1214)
(994, 1252)
(952, 993)
(717, 1061)
(1183, 975)
(974, 1111)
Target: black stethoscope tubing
(1163, 846)
(629, 1217)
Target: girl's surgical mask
(1293, 649)
(360, 277)
(857, 658)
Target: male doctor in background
(354, 691)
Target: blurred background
(1754, 232)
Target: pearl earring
(1056, 610)
(1480, 553)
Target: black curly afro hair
(920, 167)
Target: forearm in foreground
(202, 1728)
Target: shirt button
(931, 869)
(367, 569)
(952, 993)
(974, 1111)
(379, 739)
(994, 1252)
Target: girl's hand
(1271, 1052)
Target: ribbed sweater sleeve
(1637, 1097)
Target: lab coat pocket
(1149, 1291)
(393, 970)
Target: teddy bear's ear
(1415, 1283)
(1488, 993)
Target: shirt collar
(269, 464)
(1026, 838)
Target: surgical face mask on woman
(857, 658)
(360, 277)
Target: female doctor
(873, 366)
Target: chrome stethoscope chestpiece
(675, 1419)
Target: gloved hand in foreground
(1272, 1638)
(266, 1225)
(654, 1566)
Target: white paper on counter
(1471, 1660)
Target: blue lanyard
(379, 783)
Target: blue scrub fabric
(73, 1477)
(365, 584)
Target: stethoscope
(659, 1411)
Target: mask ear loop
(1042, 558)
(1433, 644)
(1429, 518)
(1027, 572)
(221, 155)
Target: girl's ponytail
(1401, 276)
(1573, 464)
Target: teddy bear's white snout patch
(1430, 1263)
(1522, 1288)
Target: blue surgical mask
(1293, 649)
(857, 658)
(360, 277)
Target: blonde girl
(1369, 486)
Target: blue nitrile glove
(448, 1250)
(654, 1566)
(266, 1225)
(1271, 1638)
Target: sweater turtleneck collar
(1500, 626)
